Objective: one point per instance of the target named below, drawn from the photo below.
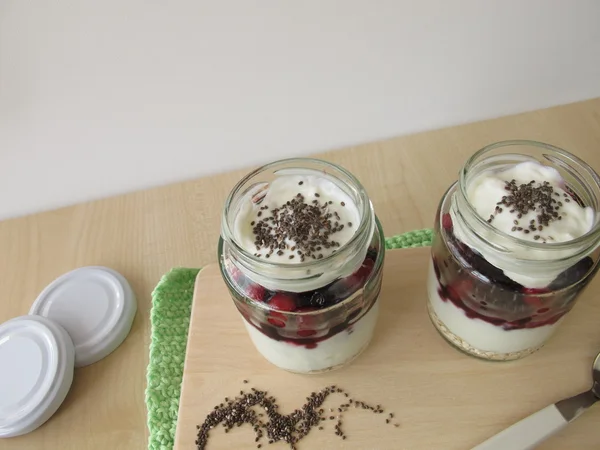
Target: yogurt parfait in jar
(301, 252)
(515, 243)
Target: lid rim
(60, 382)
(110, 336)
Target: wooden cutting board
(442, 399)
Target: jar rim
(364, 224)
(592, 234)
(264, 307)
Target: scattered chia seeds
(289, 428)
(309, 226)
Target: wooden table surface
(144, 234)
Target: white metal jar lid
(96, 306)
(36, 372)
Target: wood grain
(144, 234)
(442, 398)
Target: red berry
(532, 296)
(255, 292)
(306, 333)
(534, 291)
(306, 323)
(276, 319)
(283, 302)
(447, 221)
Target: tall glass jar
(306, 310)
(500, 284)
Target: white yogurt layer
(258, 205)
(334, 351)
(482, 335)
(488, 188)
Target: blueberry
(572, 275)
(489, 271)
(341, 290)
(372, 253)
(318, 299)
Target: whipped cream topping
(291, 211)
(489, 187)
(486, 192)
(315, 191)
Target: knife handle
(528, 433)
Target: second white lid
(96, 306)
(36, 371)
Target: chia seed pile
(308, 225)
(291, 428)
(532, 196)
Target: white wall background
(102, 97)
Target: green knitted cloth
(170, 319)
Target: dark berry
(255, 292)
(317, 300)
(345, 287)
(489, 271)
(283, 302)
(372, 253)
(341, 289)
(572, 275)
(364, 271)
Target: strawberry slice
(283, 302)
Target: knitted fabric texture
(170, 320)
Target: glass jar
(305, 311)
(499, 294)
